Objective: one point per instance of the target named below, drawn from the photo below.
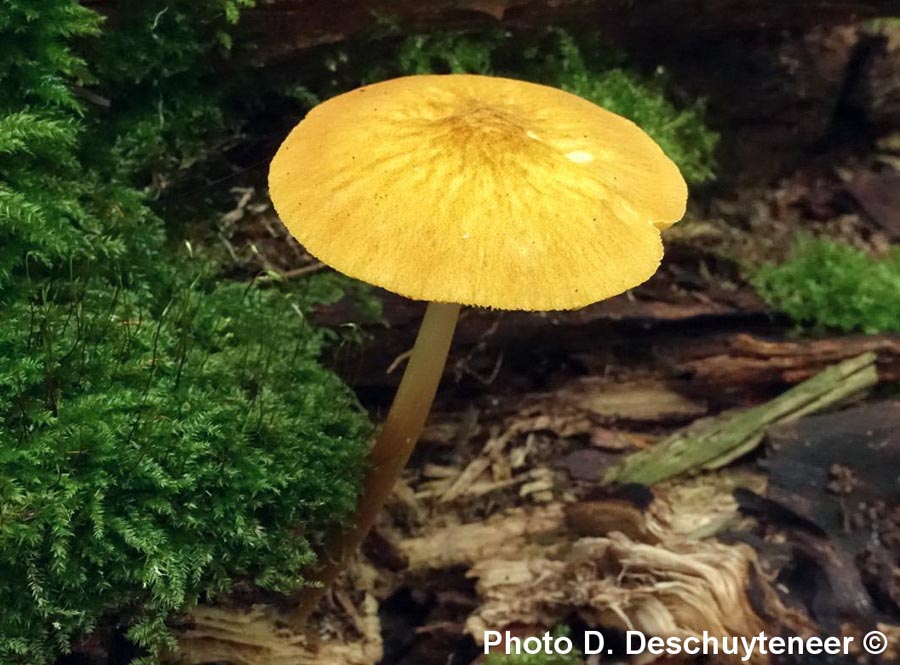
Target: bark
(530, 345)
(283, 27)
(832, 502)
(692, 340)
(747, 361)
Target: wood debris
(260, 634)
(746, 361)
(464, 544)
(537, 566)
(494, 457)
(673, 590)
(643, 401)
(713, 444)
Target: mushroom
(468, 190)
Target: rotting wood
(463, 544)
(493, 448)
(633, 402)
(484, 334)
(745, 360)
(688, 510)
(282, 28)
(450, 484)
(675, 590)
(714, 443)
(676, 583)
(536, 567)
(257, 636)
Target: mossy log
(714, 443)
(284, 27)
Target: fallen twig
(724, 439)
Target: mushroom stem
(390, 453)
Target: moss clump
(160, 67)
(164, 436)
(828, 284)
(154, 457)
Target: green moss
(160, 66)
(827, 284)
(154, 457)
(884, 23)
(164, 435)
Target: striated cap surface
(478, 190)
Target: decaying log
(488, 342)
(630, 402)
(280, 27)
(575, 409)
(713, 444)
(690, 338)
(691, 509)
(747, 361)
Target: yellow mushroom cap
(479, 191)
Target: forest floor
(503, 519)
